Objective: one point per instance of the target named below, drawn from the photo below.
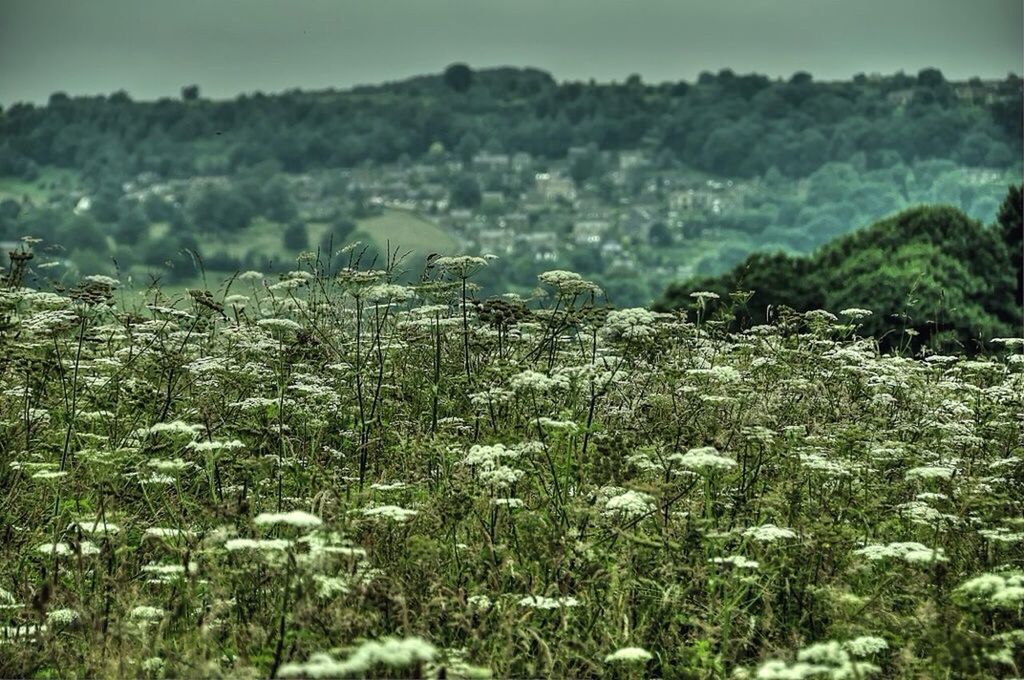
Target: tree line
(930, 276)
(725, 123)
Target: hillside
(928, 275)
(631, 184)
(725, 123)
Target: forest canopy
(725, 123)
(929, 275)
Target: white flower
(628, 655)
(541, 602)
(865, 645)
(460, 265)
(479, 601)
(389, 291)
(737, 561)
(65, 549)
(167, 532)
(507, 502)
(47, 475)
(216, 445)
(500, 476)
(997, 591)
(908, 551)
(385, 486)
(532, 380)
(703, 458)
(295, 518)
(158, 479)
(264, 544)
(172, 428)
(101, 280)
(280, 325)
(820, 315)
(568, 283)
(173, 466)
(393, 513)
(392, 652)
(561, 425)
(146, 613)
(629, 505)
(855, 312)
(768, 533)
(630, 324)
(61, 616)
(704, 295)
(930, 472)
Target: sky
(151, 48)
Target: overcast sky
(151, 48)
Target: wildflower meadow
(329, 473)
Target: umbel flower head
(391, 652)
(460, 266)
(295, 518)
(704, 458)
(568, 283)
(635, 324)
(768, 533)
(629, 655)
(628, 505)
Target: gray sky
(153, 47)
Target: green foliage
(458, 77)
(465, 192)
(736, 125)
(929, 270)
(338, 234)
(295, 236)
(216, 208)
(329, 474)
(82, 232)
(1011, 226)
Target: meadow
(324, 473)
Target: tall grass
(330, 474)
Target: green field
(407, 232)
(413, 236)
(50, 181)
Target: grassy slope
(50, 180)
(407, 231)
(394, 228)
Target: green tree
(585, 165)
(930, 269)
(217, 208)
(930, 77)
(337, 236)
(276, 202)
(659, 235)
(465, 192)
(459, 77)
(468, 147)
(82, 232)
(1011, 227)
(295, 236)
(131, 225)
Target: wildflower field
(328, 474)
